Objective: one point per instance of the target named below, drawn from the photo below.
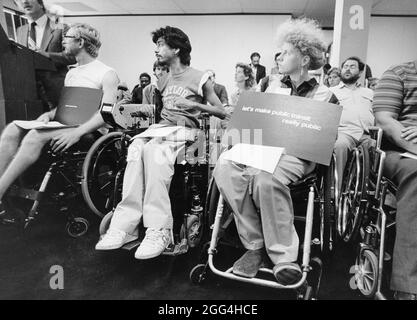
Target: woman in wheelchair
(20, 148)
(261, 202)
(150, 161)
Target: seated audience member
(219, 89)
(395, 109)
(244, 81)
(150, 163)
(275, 69)
(333, 77)
(372, 83)
(19, 148)
(137, 92)
(261, 202)
(257, 69)
(44, 36)
(123, 92)
(357, 116)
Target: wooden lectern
(19, 99)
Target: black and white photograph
(209, 157)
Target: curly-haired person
(261, 201)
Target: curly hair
(247, 71)
(91, 38)
(305, 35)
(176, 39)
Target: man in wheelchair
(261, 201)
(150, 161)
(396, 113)
(20, 148)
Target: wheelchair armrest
(376, 134)
(305, 181)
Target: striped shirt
(397, 92)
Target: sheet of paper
(409, 155)
(261, 157)
(29, 125)
(157, 132)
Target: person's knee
(34, 140)
(134, 152)
(10, 133)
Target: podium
(19, 99)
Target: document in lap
(305, 128)
(76, 106)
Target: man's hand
(65, 140)
(185, 104)
(45, 117)
(229, 111)
(42, 52)
(409, 134)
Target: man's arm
(215, 108)
(223, 96)
(387, 106)
(402, 137)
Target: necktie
(32, 37)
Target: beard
(351, 80)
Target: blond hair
(91, 38)
(306, 36)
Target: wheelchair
(367, 215)
(317, 195)
(55, 180)
(106, 161)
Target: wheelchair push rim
(103, 171)
(353, 200)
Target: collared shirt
(357, 114)
(39, 28)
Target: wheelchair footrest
(172, 250)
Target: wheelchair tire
(105, 223)
(328, 199)
(103, 170)
(367, 273)
(77, 227)
(353, 199)
(198, 274)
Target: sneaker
(114, 239)
(287, 273)
(154, 243)
(248, 264)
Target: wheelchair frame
(190, 232)
(305, 291)
(373, 222)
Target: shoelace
(155, 237)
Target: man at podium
(44, 36)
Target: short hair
(176, 39)
(146, 75)
(334, 70)
(277, 55)
(247, 71)
(91, 38)
(161, 65)
(255, 54)
(306, 36)
(361, 65)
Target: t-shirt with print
(187, 84)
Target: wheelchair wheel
(105, 223)
(367, 273)
(353, 199)
(198, 274)
(77, 227)
(328, 198)
(103, 170)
